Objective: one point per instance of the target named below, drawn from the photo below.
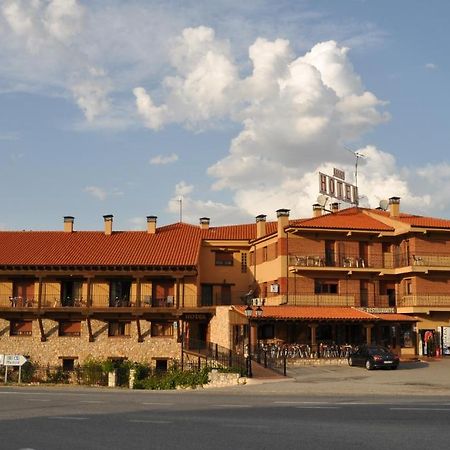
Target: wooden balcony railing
(425, 300)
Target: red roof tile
(312, 313)
(176, 244)
(348, 219)
(418, 221)
(325, 313)
(396, 317)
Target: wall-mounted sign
(337, 188)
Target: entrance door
(23, 292)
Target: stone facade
(56, 347)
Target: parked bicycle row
(294, 350)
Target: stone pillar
(313, 327)
(112, 378)
(132, 378)
(368, 327)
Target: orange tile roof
(176, 244)
(312, 313)
(325, 313)
(396, 317)
(418, 221)
(348, 219)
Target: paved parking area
(411, 378)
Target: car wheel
(368, 365)
(350, 361)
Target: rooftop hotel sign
(336, 187)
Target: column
(313, 327)
(368, 327)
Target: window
(118, 328)
(68, 364)
(224, 258)
(243, 262)
(408, 287)
(251, 257)
(325, 287)
(161, 365)
(119, 292)
(20, 327)
(162, 329)
(71, 293)
(264, 253)
(69, 328)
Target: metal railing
(211, 354)
(378, 260)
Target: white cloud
(101, 193)
(431, 66)
(296, 114)
(162, 160)
(97, 192)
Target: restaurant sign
(336, 187)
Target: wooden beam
(89, 325)
(138, 326)
(41, 329)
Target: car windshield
(378, 351)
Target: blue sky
(110, 107)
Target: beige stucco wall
(56, 347)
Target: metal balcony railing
(354, 300)
(346, 259)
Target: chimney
(394, 207)
(108, 223)
(335, 207)
(68, 224)
(204, 223)
(151, 224)
(317, 210)
(283, 221)
(260, 226)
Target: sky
(126, 107)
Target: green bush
(92, 372)
(174, 378)
(28, 372)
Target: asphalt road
(252, 417)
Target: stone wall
(58, 347)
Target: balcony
(343, 260)
(434, 301)
(354, 300)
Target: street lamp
(249, 314)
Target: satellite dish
(384, 204)
(322, 200)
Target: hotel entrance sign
(336, 187)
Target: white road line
(301, 403)
(233, 406)
(318, 407)
(157, 404)
(149, 421)
(37, 399)
(419, 409)
(67, 418)
(92, 401)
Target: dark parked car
(373, 357)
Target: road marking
(157, 404)
(67, 418)
(92, 401)
(233, 406)
(38, 399)
(149, 421)
(301, 403)
(318, 407)
(419, 409)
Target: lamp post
(249, 314)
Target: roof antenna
(357, 155)
(181, 208)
